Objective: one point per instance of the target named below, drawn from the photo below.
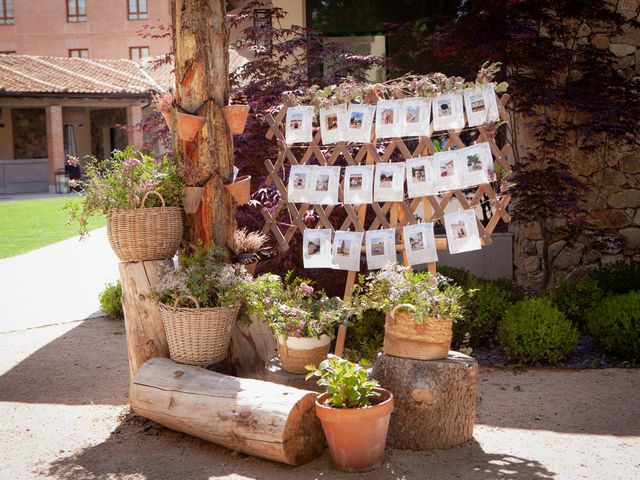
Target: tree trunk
(435, 400)
(145, 333)
(201, 48)
(254, 417)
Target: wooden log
(252, 347)
(143, 325)
(435, 400)
(251, 416)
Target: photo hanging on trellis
(389, 182)
(421, 177)
(325, 184)
(490, 99)
(417, 114)
(477, 164)
(381, 247)
(420, 243)
(449, 176)
(316, 248)
(333, 124)
(389, 118)
(346, 250)
(448, 113)
(462, 231)
(300, 180)
(299, 125)
(358, 184)
(360, 122)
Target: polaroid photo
(491, 101)
(389, 118)
(448, 172)
(299, 187)
(421, 177)
(381, 248)
(475, 106)
(420, 243)
(299, 125)
(346, 250)
(316, 248)
(333, 123)
(476, 163)
(417, 115)
(358, 184)
(448, 113)
(325, 182)
(462, 231)
(360, 122)
(389, 182)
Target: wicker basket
(405, 338)
(296, 353)
(198, 336)
(145, 233)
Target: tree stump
(435, 400)
(143, 325)
(254, 417)
(252, 347)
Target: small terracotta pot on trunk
(236, 117)
(188, 125)
(356, 436)
(191, 200)
(168, 118)
(240, 190)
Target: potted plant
(194, 186)
(246, 247)
(420, 309)
(188, 124)
(141, 197)
(240, 189)
(354, 412)
(236, 113)
(302, 319)
(165, 103)
(199, 301)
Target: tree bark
(435, 400)
(254, 417)
(143, 325)
(201, 49)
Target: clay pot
(191, 200)
(356, 436)
(251, 267)
(168, 118)
(240, 190)
(236, 117)
(188, 125)
(296, 353)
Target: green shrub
(616, 325)
(576, 298)
(533, 331)
(365, 336)
(111, 300)
(618, 278)
(459, 276)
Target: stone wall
(614, 179)
(29, 132)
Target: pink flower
(73, 161)
(306, 289)
(130, 164)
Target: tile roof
(26, 74)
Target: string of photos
(394, 158)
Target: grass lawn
(29, 224)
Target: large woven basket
(198, 336)
(296, 353)
(145, 233)
(403, 337)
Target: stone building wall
(614, 179)
(29, 132)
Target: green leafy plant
(346, 383)
(575, 298)
(618, 278)
(122, 181)
(431, 296)
(616, 325)
(456, 276)
(111, 300)
(533, 330)
(366, 335)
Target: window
(138, 53)
(137, 9)
(79, 53)
(6, 12)
(76, 11)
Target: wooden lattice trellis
(387, 214)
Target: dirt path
(63, 393)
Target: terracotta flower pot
(191, 200)
(251, 267)
(356, 436)
(296, 353)
(236, 117)
(168, 118)
(189, 125)
(240, 190)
